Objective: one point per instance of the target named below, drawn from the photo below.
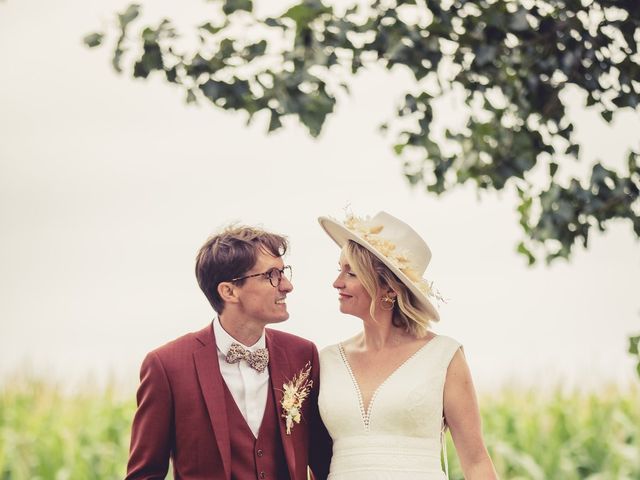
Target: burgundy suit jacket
(182, 411)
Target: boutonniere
(295, 392)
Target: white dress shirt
(248, 387)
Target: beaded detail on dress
(398, 435)
(366, 411)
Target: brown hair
(408, 313)
(231, 254)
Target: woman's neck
(380, 333)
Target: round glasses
(274, 275)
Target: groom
(212, 400)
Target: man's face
(258, 299)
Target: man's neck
(243, 331)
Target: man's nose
(285, 284)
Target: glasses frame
(269, 275)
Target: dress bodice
(399, 435)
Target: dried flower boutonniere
(295, 392)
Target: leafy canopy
(511, 61)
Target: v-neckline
(366, 413)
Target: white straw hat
(395, 244)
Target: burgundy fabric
(182, 412)
(259, 458)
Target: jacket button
(263, 475)
(259, 453)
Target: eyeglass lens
(275, 275)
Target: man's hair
(231, 254)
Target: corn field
(47, 434)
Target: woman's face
(353, 298)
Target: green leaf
(634, 343)
(523, 250)
(255, 50)
(607, 115)
(93, 39)
(231, 6)
(208, 27)
(485, 54)
(129, 15)
(399, 148)
(274, 22)
(518, 21)
(573, 149)
(191, 97)
(307, 11)
(274, 122)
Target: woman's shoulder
(446, 340)
(444, 347)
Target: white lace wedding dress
(399, 437)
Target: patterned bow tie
(257, 360)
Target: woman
(387, 394)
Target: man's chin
(282, 318)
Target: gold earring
(387, 302)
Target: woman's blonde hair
(408, 313)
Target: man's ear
(227, 292)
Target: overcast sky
(108, 187)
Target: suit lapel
(279, 369)
(210, 379)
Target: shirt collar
(224, 340)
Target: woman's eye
(348, 272)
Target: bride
(387, 394)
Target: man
(212, 400)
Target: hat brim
(341, 235)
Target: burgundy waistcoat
(259, 458)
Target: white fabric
(248, 387)
(400, 437)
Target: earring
(387, 302)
